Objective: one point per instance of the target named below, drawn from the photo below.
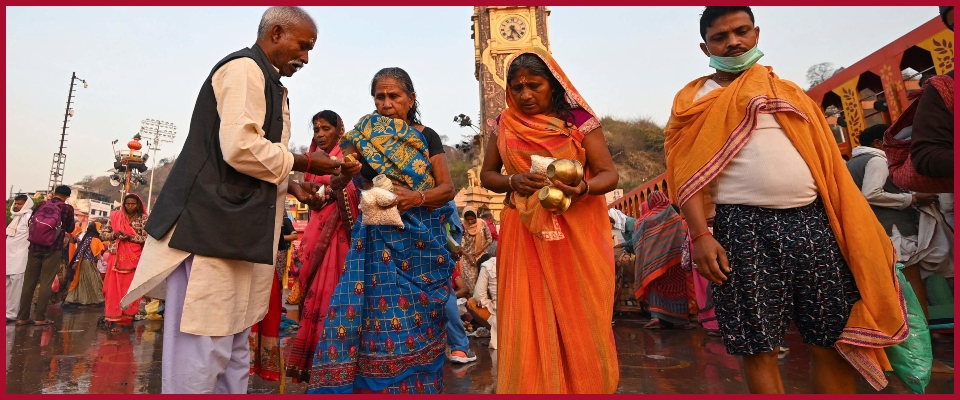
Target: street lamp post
(161, 132)
(59, 158)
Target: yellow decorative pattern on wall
(852, 110)
(940, 47)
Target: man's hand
(322, 164)
(924, 199)
(307, 193)
(711, 259)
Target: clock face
(513, 28)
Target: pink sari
(120, 268)
(324, 248)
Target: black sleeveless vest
(220, 212)
(906, 220)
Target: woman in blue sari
(384, 328)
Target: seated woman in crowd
(483, 305)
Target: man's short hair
(286, 17)
(63, 190)
(21, 197)
(873, 133)
(711, 14)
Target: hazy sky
(149, 62)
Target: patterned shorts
(784, 264)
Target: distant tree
(86, 179)
(299, 149)
(458, 172)
(821, 72)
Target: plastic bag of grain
(539, 164)
(373, 204)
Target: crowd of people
(764, 225)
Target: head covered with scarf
(25, 210)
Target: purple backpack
(45, 225)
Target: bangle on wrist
(510, 181)
(308, 162)
(700, 236)
(586, 190)
(423, 198)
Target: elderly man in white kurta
(213, 234)
(17, 245)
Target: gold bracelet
(423, 198)
(587, 191)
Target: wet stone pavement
(74, 356)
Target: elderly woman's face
(391, 100)
(325, 135)
(531, 93)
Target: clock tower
(499, 32)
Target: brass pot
(570, 172)
(554, 199)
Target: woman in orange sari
(126, 234)
(555, 272)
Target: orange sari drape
(555, 273)
(703, 135)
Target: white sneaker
(460, 357)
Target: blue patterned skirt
(384, 328)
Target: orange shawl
(555, 273)
(703, 135)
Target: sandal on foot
(653, 324)
(24, 322)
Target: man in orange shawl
(555, 273)
(794, 236)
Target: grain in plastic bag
(372, 203)
(539, 164)
(912, 359)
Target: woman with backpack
(126, 234)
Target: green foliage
(636, 147)
(624, 137)
(458, 172)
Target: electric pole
(59, 158)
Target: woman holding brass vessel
(555, 263)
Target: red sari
(122, 263)
(324, 248)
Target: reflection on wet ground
(74, 356)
